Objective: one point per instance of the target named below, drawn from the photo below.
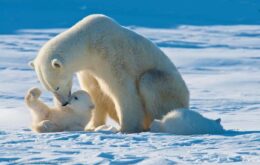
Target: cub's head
(80, 101)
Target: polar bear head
(80, 102)
(54, 65)
(66, 54)
(54, 78)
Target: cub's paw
(33, 94)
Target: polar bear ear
(218, 120)
(55, 63)
(31, 64)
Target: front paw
(90, 128)
(33, 94)
(105, 128)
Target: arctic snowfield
(220, 64)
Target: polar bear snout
(92, 106)
(62, 100)
(66, 103)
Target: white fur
(129, 78)
(186, 122)
(72, 117)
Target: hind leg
(163, 92)
(46, 126)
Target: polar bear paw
(33, 94)
(105, 128)
(90, 128)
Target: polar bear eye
(76, 98)
(57, 88)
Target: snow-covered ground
(221, 65)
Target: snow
(221, 65)
(25, 147)
(215, 45)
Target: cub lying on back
(72, 117)
(186, 122)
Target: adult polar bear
(127, 76)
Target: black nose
(91, 106)
(65, 104)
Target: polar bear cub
(72, 117)
(186, 122)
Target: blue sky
(20, 14)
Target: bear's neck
(85, 50)
(79, 57)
